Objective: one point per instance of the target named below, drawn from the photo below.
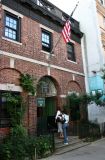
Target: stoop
(73, 143)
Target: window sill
(47, 53)
(7, 39)
(71, 61)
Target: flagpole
(74, 9)
(56, 44)
(61, 34)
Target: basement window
(4, 116)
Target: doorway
(46, 114)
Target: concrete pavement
(94, 151)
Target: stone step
(70, 147)
(70, 138)
(72, 142)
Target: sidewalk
(94, 151)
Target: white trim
(71, 61)
(48, 53)
(73, 76)
(48, 71)
(10, 87)
(12, 65)
(46, 28)
(13, 41)
(85, 62)
(63, 96)
(72, 41)
(22, 58)
(12, 11)
(38, 62)
(67, 70)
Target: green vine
(15, 108)
(27, 82)
(19, 145)
(74, 101)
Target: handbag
(63, 120)
(58, 119)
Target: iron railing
(84, 130)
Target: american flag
(66, 32)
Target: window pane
(7, 18)
(14, 24)
(6, 32)
(7, 23)
(14, 35)
(9, 33)
(70, 48)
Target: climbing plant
(27, 82)
(18, 145)
(15, 108)
(75, 101)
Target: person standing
(65, 126)
(58, 118)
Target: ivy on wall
(27, 82)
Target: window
(70, 51)
(45, 88)
(46, 41)
(102, 2)
(4, 116)
(11, 27)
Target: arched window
(46, 87)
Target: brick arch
(8, 75)
(54, 81)
(74, 86)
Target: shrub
(20, 147)
(89, 129)
(44, 146)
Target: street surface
(94, 151)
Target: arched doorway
(46, 91)
(74, 90)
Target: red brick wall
(8, 75)
(4, 132)
(31, 48)
(31, 45)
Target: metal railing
(87, 130)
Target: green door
(50, 107)
(48, 110)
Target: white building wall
(96, 113)
(93, 54)
(92, 50)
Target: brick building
(29, 29)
